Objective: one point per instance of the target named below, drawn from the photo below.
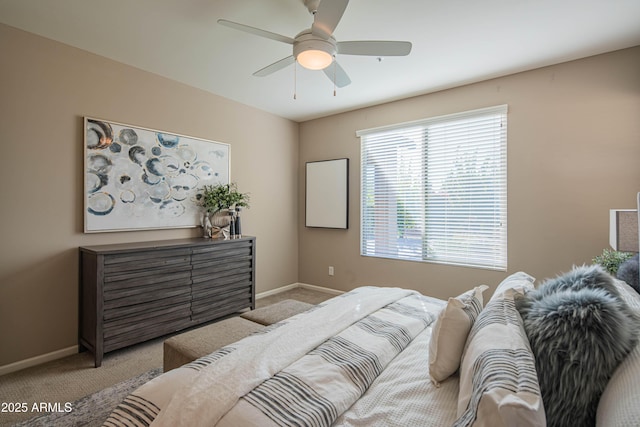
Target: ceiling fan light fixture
(312, 52)
(315, 59)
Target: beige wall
(46, 89)
(573, 154)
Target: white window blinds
(436, 190)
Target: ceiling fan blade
(336, 71)
(327, 17)
(374, 48)
(256, 31)
(278, 65)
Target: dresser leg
(98, 360)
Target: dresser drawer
(143, 260)
(218, 285)
(216, 306)
(227, 250)
(125, 306)
(221, 269)
(145, 331)
(150, 286)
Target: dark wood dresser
(133, 292)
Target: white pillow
(618, 404)
(450, 333)
(520, 281)
(498, 378)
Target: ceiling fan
(316, 48)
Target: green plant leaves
(215, 198)
(610, 260)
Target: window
(436, 190)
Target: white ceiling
(454, 42)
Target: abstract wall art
(137, 178)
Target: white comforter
(359, 359)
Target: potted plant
(217, 200)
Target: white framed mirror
(327, 194)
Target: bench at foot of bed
(189, 346)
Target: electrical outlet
(330, 270)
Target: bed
(384, 357)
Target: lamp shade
(315, 59)
(623, 230)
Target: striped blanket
(307, 370)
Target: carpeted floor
(92, 410)
(72, 378)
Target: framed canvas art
(137, 178)
(327, 194)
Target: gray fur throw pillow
(586, 276)
(580, 329)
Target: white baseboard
(298, 285)
(276, 290)
(38, 360)
(320, 289)
(43, 358)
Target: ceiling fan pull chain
(335, 65)
(295, 78)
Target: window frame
(492, 121)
